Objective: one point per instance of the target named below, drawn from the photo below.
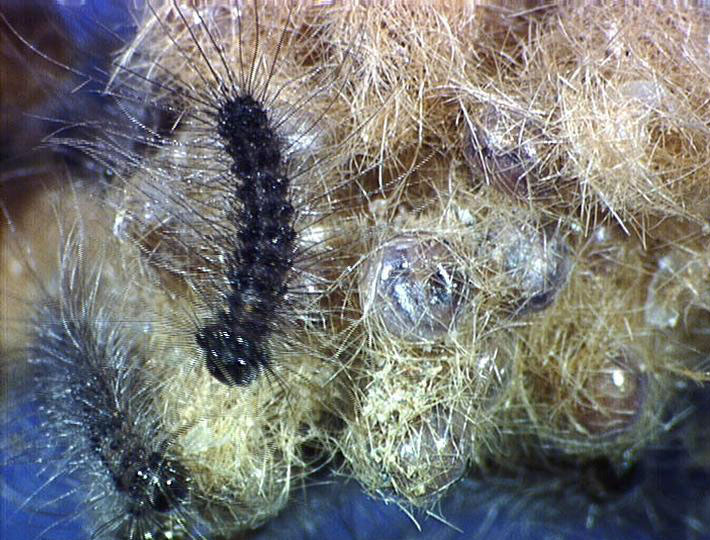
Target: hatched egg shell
(413, 287)
(617, 394)
(531, 264)
(499, 148)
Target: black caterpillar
(96, 421)
(262, 255)
(257, 246)
(250, 249)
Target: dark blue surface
(34, 502)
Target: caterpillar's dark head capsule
(232, 359)
(157, 483)
(414, 288)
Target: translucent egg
(414, 288)
(617, 393)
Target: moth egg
(414, 288)
(498, 148)
(303, 134)
(532, 264)
(433, 455)
(616, 394)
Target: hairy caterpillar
(91, 393)
(564, 366)
(176, 288)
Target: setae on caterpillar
(264, 142)
(261, 212)
(90, 395)
(241, 467)
(504, 266)
(257, 269)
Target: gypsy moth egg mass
(448, 326)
